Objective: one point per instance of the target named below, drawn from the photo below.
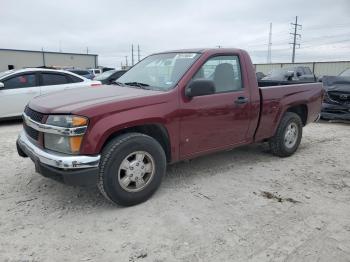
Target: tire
(281, 144)
(127, 148)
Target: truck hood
(80, 99)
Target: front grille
(340, 97)
(34, 115)
(31, 132)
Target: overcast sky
(108, 28)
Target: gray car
(298, 73)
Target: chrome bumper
(53, 159)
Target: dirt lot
(242, 205)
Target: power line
(295, 34)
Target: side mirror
(2, 85)
(200, 87)
(298, 74)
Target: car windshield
(6, 73)
(105, 75)
(159, 71)
(345, 73)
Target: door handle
(241, 100)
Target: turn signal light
(75, 143)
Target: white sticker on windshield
(186, 55)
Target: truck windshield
(159, 71)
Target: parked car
(82, 72)
(170, 107)
(260, 75)
(298, 73)
(110, 76)
(336, 103)
(17, 87)
(95, 71)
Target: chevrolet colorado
(169, 107)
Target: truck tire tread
(107, 152)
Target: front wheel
(131, 169)
(288, 135)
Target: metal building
(14, 59)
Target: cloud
(109, 27)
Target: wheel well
(156, 131)
(300, 110)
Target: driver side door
(220, 120)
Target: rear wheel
(288, 135)
(131, 170)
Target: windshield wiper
(137, 84)
(118, 83)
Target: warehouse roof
(47, 52)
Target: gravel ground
(241, 205)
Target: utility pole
(44, 62)
(295, 34)
(126, 61)
(268, 60)
(87, 50)
(132, 54)
(138, 53)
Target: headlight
(66, 121)
(62, 143)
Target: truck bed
(266, 83)
(275, 99)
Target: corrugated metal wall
(23, 58)
(319, 68)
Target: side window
(53, 79)
(74, 79)
(20, 81)
(225, 71)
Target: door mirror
(298, 74)
(200, 87)
(2, 85)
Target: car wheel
(131, 169)
(288, 135)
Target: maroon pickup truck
(169, 107)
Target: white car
(96, 71)
(18, 87)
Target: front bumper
(69, 169)
(335, 112)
